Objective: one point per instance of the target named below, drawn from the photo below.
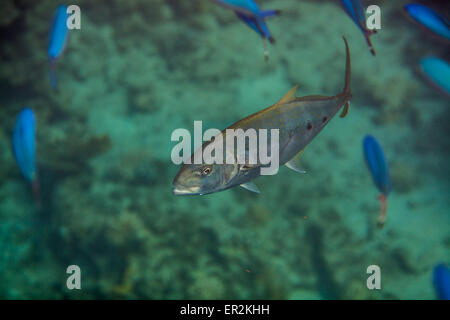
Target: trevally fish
(429, 19)
(378, 167)
(59, 34)
(299, 120)
(355, 11)
(24, 148)
(250, 13)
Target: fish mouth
(184, 191)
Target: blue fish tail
(52, 73)
(36, 190)
(367, 35)
(355, 10)
(268, 13)
(264, 30)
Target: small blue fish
(247, 7)
(59, 34)
(429, 19)
(249, 12)
(378, 167)
(441, 281)
(24, 143)
(355, 11)
(437, 72)
(24, 148)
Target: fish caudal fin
(367, 35)
(346, 93)
(348, 71)
(52, 73)
(266, 51)
(383, 209)
(36, 191)
(269, 13)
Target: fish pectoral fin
(250, 186)
(289, 96)
(345, 110)
(294, 163)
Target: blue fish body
(437, 71)
(58, 33)
(429, 19)
(441, 281)
(24, 143)
(377, 164)
(58, 39)
(355, 10)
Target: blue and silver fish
(59, 34)
(378, 167)
(249, 12)
(429, 19)
(24, 147)
(355, 11)
(441, 281)
(437, 72)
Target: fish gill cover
(138, 70)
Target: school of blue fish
(434, 69)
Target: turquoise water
(136, 71)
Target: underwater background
(136, 71)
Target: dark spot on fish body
(324, 119)
(309, 126)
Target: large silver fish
(299, 120)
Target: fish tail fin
(264, 30)
(346, 93)
(266, 51)
(348, 71)
(52, 73)
(269, 13)
(36, 190)
(383, 209)
(369, 42)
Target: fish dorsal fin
(345, 110)
(294, 163)
(250, 186)
(289, 96)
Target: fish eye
(206, 171)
